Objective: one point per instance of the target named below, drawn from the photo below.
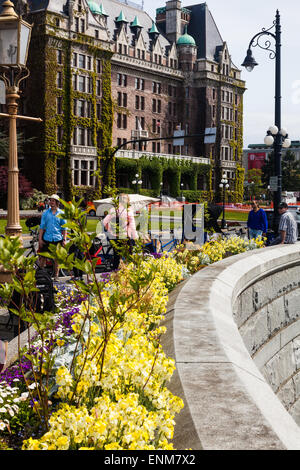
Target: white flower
(24, 396)
(2, 425)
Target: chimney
(173, 20)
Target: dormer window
(79, 6)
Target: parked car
(91, 209)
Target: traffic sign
(180, 138)
(273, 183)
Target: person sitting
(288, 230)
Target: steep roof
(203, 29)
(113, 9)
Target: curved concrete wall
(234, 332)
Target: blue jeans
(255, 233)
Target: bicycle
(33, 251)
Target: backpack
(41, 301)
(45, 297)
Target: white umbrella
(137, 202)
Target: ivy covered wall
(43, 86)
(159, 170)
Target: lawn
(91, 225)
(92, 222)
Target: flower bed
(95, 375)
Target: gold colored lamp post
(14, 43)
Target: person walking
(288, 230)
(257, 222)
(52, 231)
(120, 226)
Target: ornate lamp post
(224, 185)
(14, 42)
(278, 137)
(137, 182)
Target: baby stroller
(102, 251)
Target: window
(83, 172)
(154, 106)
(75, 59)
(59, 80)
(155, 126)
(98, 66)
(156, 88)
(77, 25)
(81, 108)
(98, 110)
(121, 121)
(74, 81)
(89, 137)
(122, 99)
(59, 105)
(59, 134)
(88, 109)
(82, 25)
(81, 83)
(139, 83)
(98, 87)
(137, 102)
(59, 56)
(81, 135)
(75, 136)
(81, 61)
(89, 62)
(121, 79)
(89, 84)
(96, 34)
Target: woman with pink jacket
(120, 225)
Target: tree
(25, 188)
(4, 143)
(255, 186)
(290, 171)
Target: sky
(238, 21)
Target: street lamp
(181, 186)
(161, 189)
(224, 185)
(249, 63)
(137, 182)
(14, 43)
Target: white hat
(54, 196)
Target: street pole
(278, 139)
(250, 63)
(13, 226)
